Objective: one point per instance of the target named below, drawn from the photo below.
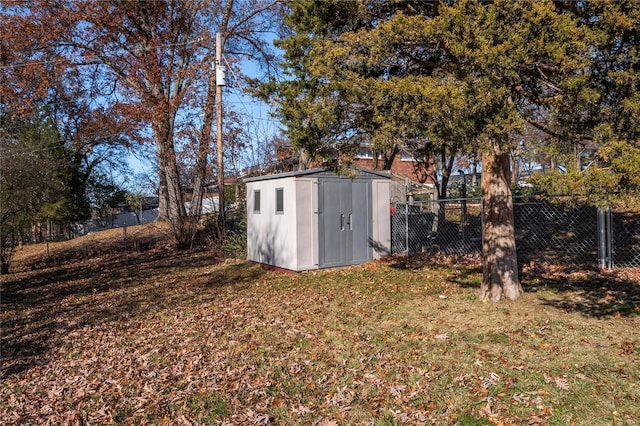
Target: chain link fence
(625, 237)
(557, 231)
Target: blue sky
(261, 125)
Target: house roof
(322, 172)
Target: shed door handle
(342, 222)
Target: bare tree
(153, 61)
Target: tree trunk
(447, 166)
(163, 195)
(172, 195)
(304, 159)
(200, 169)
(500, 262)
(389, 159)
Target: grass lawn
(100, 335)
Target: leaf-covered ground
(104, 336)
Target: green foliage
(235, 242)
(600, 106)
(613, 178)
(467, 76)
(443, 81)
(606, 89)
(470, 77)
(230, 192)
(71, 203)
(28, 178)
(104, 194)
(46, 178)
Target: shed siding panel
(307, 224)
(381, 219)
(270, 237)
(359, 221)
(253, 225)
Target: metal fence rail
(558, 231)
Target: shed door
(345, 222)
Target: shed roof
(373, 174)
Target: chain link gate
(450, 226)
(624, 235)
(561, 231)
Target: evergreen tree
(28, 181)
(599, 112)
(460, 76)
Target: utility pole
(220, 83)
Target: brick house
(405, 169)
(404, 165)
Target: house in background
(409, 176)
(313, 219)
(404, 164)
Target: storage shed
(315, 219)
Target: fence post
(601, 244)
(605, 238)
(406, 217)
(609, 224)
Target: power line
(263, 130)
(71, 63)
